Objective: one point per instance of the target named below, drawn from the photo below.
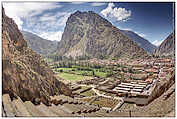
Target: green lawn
(67, 71)
(100, 74)
(84, 72)
(72, 77)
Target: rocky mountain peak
(88, 34)
(167, 47)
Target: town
(135, 81)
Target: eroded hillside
(25, 74)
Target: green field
(64, 69)
(82, 72)
(100, 74)
(72, 77)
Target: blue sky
(153, 21)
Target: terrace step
(63, 98)
(44, 109)
(72, 107)
(85, 90)
(102, 113)
(118, 106)
(118, 113)
(83, 106)
(60, 111)
(21, 109)
(66, 98)
(33, 110)
(8, 108)
(92, 115)
(64, 108)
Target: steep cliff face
(167, 47)
(88, 34)
(38, 44)
(140, 41)
(24, 72)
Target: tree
(93, 73)
(130, 70)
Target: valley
(129, 88)
(119, 85)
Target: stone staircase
(67, 107)
(64, 106)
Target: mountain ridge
(142, 42)
(39, 44)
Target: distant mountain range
(167, 47)
(143, 43)
(88, 34)
(38, 44)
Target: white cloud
(77, 2)
(140, 34)
(18, 21)
(22, 10)
(157, 42)
(58, 18)
(48, 22)
(36, 18)
(118, 13)
(127, 29)
(52, 35)
(95, 4)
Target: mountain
(88, 34)
(24, 72)
(38, 44)
(143, 43)
(167, 47)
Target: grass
(72, 77)
(64, 69)
(82, 72)
(100, 74)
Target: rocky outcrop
(88, 34)
(25, 73)
(38, 44)
(162, 86)
(143, 43)
(167, 47)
